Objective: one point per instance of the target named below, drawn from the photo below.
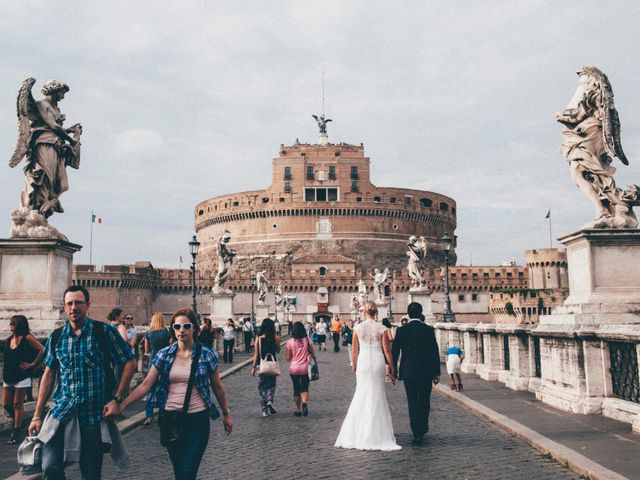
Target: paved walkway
(459, 446)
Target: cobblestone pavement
(459, 446)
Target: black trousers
(228, 350)
(419, 400)
(248, 336)
(336, 342)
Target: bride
(367, 425)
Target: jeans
(228, 350)
(90, 454)
(336, 341)
(248, 336)
(186, 456)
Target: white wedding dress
(367, 425)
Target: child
(455, 355)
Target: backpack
(109, 375)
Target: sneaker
(305, 410)
(453, 388)
(459, 387)
(271, 408)
(264, 414)
(297, 414)
(13, 439)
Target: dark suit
(416, 347)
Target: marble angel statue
(278, 297)
(262, 284)
(225, 259)
(591, 140)
(417, 254)
(379, 282)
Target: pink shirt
(178, 382)
(299, 350)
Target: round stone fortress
(322, 202)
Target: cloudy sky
(182, 101)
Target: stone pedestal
(221, 308)
(604, 281)
(423, 297)
(262, 312)
(34, 274)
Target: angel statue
(591, 140)
(46, 145)
(354, 304)
(417, 254)
(278, 298)
(363, 296)
(322, 122)
(262, 285)
(379, 282)
(225, 259)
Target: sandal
(148, 421)
(13, 439)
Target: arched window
(323, 271)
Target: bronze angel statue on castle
(591, 140)
(47, 147)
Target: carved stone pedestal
(34, 274)
(221, 308)
(262, 312)
(423, 297)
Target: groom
(416, 347)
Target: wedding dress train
(368, 425)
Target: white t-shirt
(322, 328)
(229, 333)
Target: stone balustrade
(583, 369)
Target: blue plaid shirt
(163, 361)
(80, 385)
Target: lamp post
(253, 290)
(390, 282)
(447, 315)
(194, 246)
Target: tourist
(132, 332)
(168, 381)
(229, 340)
(267, 342)
(322, 329)
(347, 335)
(403, 321)
(247, 330)
(297, 353)
(21, 355)
(116, 319)
(387, 324)
(207, 333)
(155, 339)
(83, 389)
(455, 356)
(336, 330)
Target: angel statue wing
(27, 111)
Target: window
(461, 298)
(426, 202)
(485, 275)
(393, 200)
(354, 173)
(354, 187)
(474, 276)
(309, 195)
(444, 207)
(309, 173)
(200, 212)
(321, 195)
(323, 271)
(332, 172)
(509, 274)
(408, 199)
(332, 194)
(265, 199)
(464, 276)
(287, 173)
(282, 199)
(287, 186)
(474, 297)
(358, 199)
(497, 275)
(377, 199)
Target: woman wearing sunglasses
(168, 381)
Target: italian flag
(95, 218)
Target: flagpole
(91, 241)
(550, 236)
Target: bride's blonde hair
(370, 309)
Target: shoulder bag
(314, 373)
(171, 423)
(269, 366)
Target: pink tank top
(178, 382)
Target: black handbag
(171, 423)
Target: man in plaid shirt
(81, 389)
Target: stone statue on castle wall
(417, 254)
(225, 259)
(48, 149)
(591, 140)
(354, 305)
(278, 297)
(379, 282)
(363, 296)
(262, 284)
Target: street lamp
(447, 315)
(194, 246)
(390, 282)
(253, 290)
